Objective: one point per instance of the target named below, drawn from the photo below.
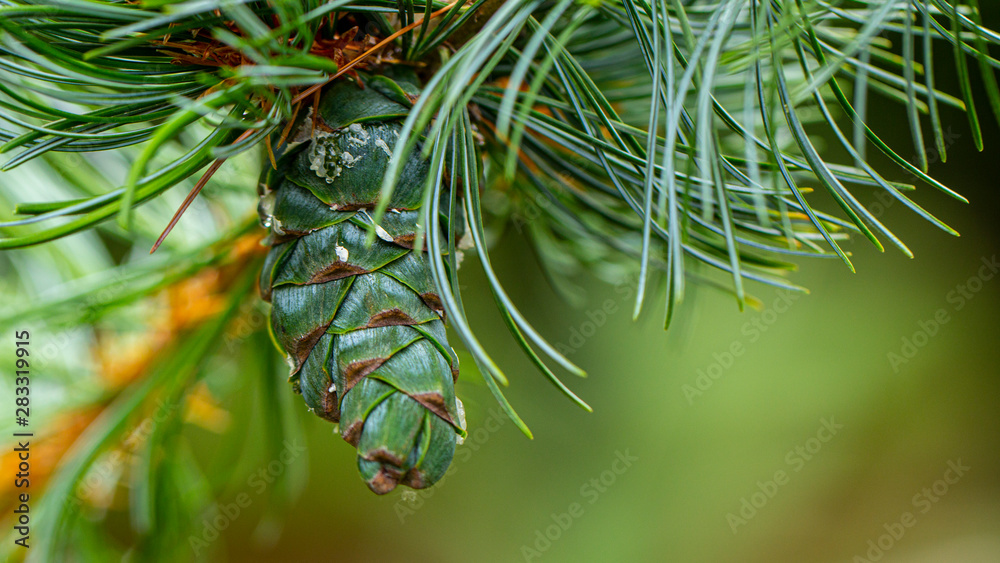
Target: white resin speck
(385, 147)
(342, 253)
(461, 419)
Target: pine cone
(362, 327)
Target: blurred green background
(824, 357)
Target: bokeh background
(692, 460)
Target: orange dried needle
(194, 193)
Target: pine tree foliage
(681, 139)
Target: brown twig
(315, 88)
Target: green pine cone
(362, 326)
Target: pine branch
(641, 135)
